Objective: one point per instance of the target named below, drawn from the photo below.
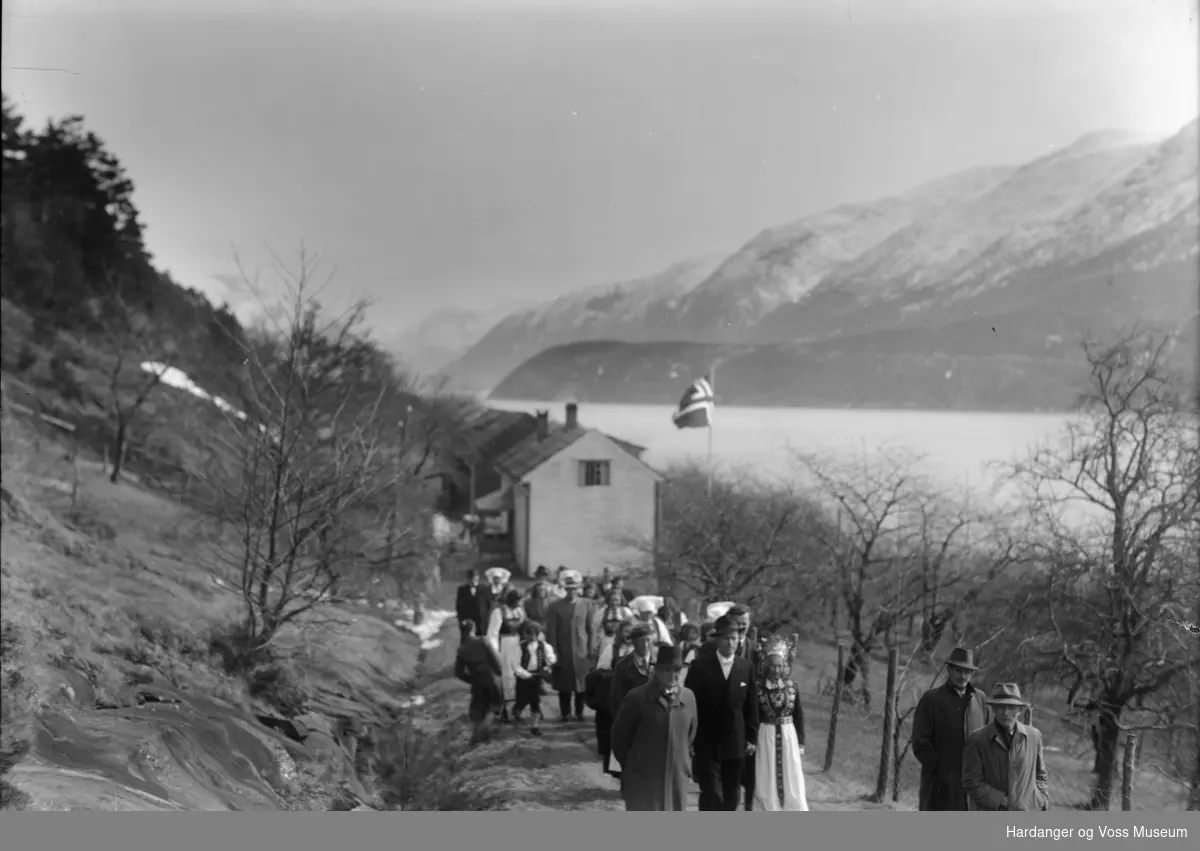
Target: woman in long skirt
(504, 635)
(778, 770)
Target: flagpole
(712, 386)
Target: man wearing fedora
(568, 631)
(652, 738)
(724, 685)
(1004, 767)
(945, 717)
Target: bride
(778, 773)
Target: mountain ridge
(1094, 220)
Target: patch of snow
(434, 620)
(412, 702)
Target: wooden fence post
(889, 721)
(1127, 766)
(837, 703)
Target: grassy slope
(116, 603)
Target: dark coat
(727, 709)
(942, 723)
(626, 677)
(653, 746)
(475, 607)
(535, 608)
(996, 777)
(478, 665)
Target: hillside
(990, 276)
(428, 345)
(636, 310)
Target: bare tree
(306, 460)
(899, 548)
(134, 339)
(748, 538)
(1107, 515)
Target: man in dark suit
(474, 604)
(747, 648)
(726, 693)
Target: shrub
(16, 714)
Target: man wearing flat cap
(652, 737)
(633, 670)
(945, 717)
(1004, 766)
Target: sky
(472, 154)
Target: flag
(696, 406)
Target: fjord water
(957, 449)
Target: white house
(579, 498)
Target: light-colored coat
(569, 632)
(995, 777)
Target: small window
(594, 473)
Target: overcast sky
(477, 152)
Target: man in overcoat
(724, 684)
(568, 631)
(944, 718)
(652, 738)
(1004, 766)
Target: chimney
(572, 416)
(543, 425)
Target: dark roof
(532, 453)
(492, 432)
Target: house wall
(519, 537)
(586, 528)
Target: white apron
(777, 764)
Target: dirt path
(565, 774)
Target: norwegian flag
(696, 406)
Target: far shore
(1048, 412)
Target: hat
(668, 657)
(646, 603)
(640, 630)
(541, 572)
(961, 657)
(1007, 694)
(716, 610)
(723, 626)
(513, 597)
(571, 579)
(497, 575)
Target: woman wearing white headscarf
(605, 621)
(499, 584)
(645, 610)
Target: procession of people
(713, 703)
